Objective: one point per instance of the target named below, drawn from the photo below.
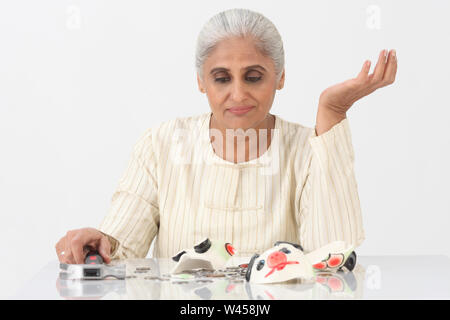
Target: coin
(183, 276)
(215, 275)
(140, 271)
(180, 282)
(202, 270)
(203, 281)
(232, 268)
(189, 271)
(236, 280)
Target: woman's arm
(133, 218)
(328, 207)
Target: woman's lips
(240, 109)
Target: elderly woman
(238, 173)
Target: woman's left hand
(336, 100)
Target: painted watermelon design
(230, 249)
(334, 260)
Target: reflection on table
(153, 281)
(374, 277)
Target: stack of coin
(234, 274)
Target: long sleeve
(327, 202)
(133, 218)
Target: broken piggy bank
(286, 261)
(207, 254)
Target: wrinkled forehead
(236, 49)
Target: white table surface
(374, 277)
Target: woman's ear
(200, 84)
(281, 82)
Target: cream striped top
(302, 189)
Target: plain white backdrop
(80, 81)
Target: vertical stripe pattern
(302, 189)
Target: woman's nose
(238, 91)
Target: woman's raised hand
(335, 101)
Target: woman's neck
(238, 145)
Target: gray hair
(240, 23)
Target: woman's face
(237, 75)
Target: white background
(80, 81)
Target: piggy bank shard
(286, 261)
(207, 254)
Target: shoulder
(191, 122)
(162, 134)
(168, 130)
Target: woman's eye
(254, 79)
(222, 80)
(251, 79)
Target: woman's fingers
(364, 73)
(377, 76)
(67, 256)
(67, 249)
(391, 68)
(73, 247)
(342, 96)
(77, 247)
(59, 247)
(104, 249)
